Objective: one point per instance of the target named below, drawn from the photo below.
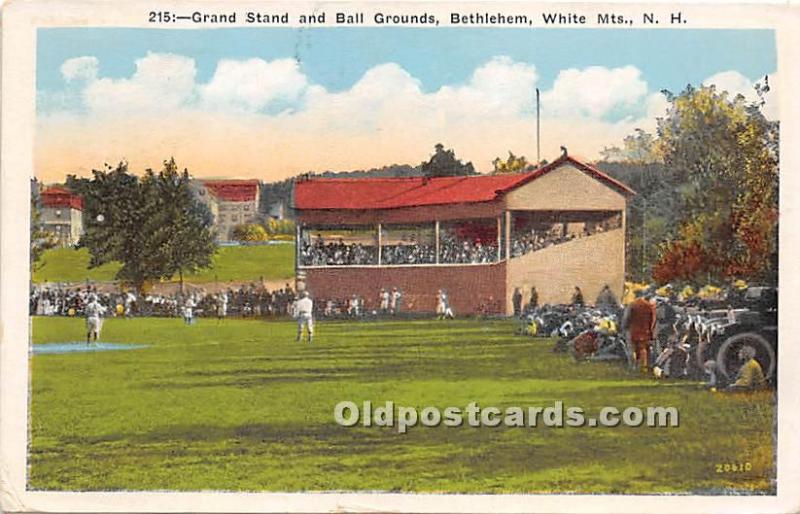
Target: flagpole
(538, 144)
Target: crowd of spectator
(408, 254)
(337, 253)
(534, 240)
(452, 249)
(242, 302)
(59, 301)
(455, 251)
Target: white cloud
(161, 83)
(595, 92)
(254, 84)
(499, 88)
(267, 119)
(736, 83)
(80, 68)
(733, 82)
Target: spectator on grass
(606, 299)
(516, 301)
(714, 380)
(534, 301)
(751, 375)
(577, 297)
(639, 319)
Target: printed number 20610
(733, 467)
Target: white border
(19, 21)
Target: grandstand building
(475, 237)
(62, 215)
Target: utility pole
(538, 131)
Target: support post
(436, 238)
(297, 246)
(380, 243)
(508, 235)
(499, 238)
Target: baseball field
(238, 405)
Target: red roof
(58, 197)
(393, 193)
(233, 190)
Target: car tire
(765, 354)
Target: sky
(272, 103)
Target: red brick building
(478, 238)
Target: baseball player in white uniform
(188, 310)
(395, 300)
(94, 323)
(130, 299)
(384, 298)
(304, 312)
(222, 305)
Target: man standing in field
(639, 320)
(222, 305)
(303, 311)
(384, 301)
(395, 300)
(130, 299)
(516, 301)
(93, 312)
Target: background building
(475, 237)
(62, 215)
(231, 202)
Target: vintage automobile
(755, 323)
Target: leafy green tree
(182, 225)
(637, 148)
(116, 210)
(725, 153)
(152, 225)
(653, 214)
(513, 164)
(280, 227)
(444, 163)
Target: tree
(725, 153)
(153, 226)
(250, 233)
(444, 163)
(277, 227)
(653, 214)
(637, 148)
(182, 225)
(513, 164)
(116, 210)
(41, 239)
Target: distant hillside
(395, 170)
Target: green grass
(231, 263)
(70, 265)
(241, 406)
